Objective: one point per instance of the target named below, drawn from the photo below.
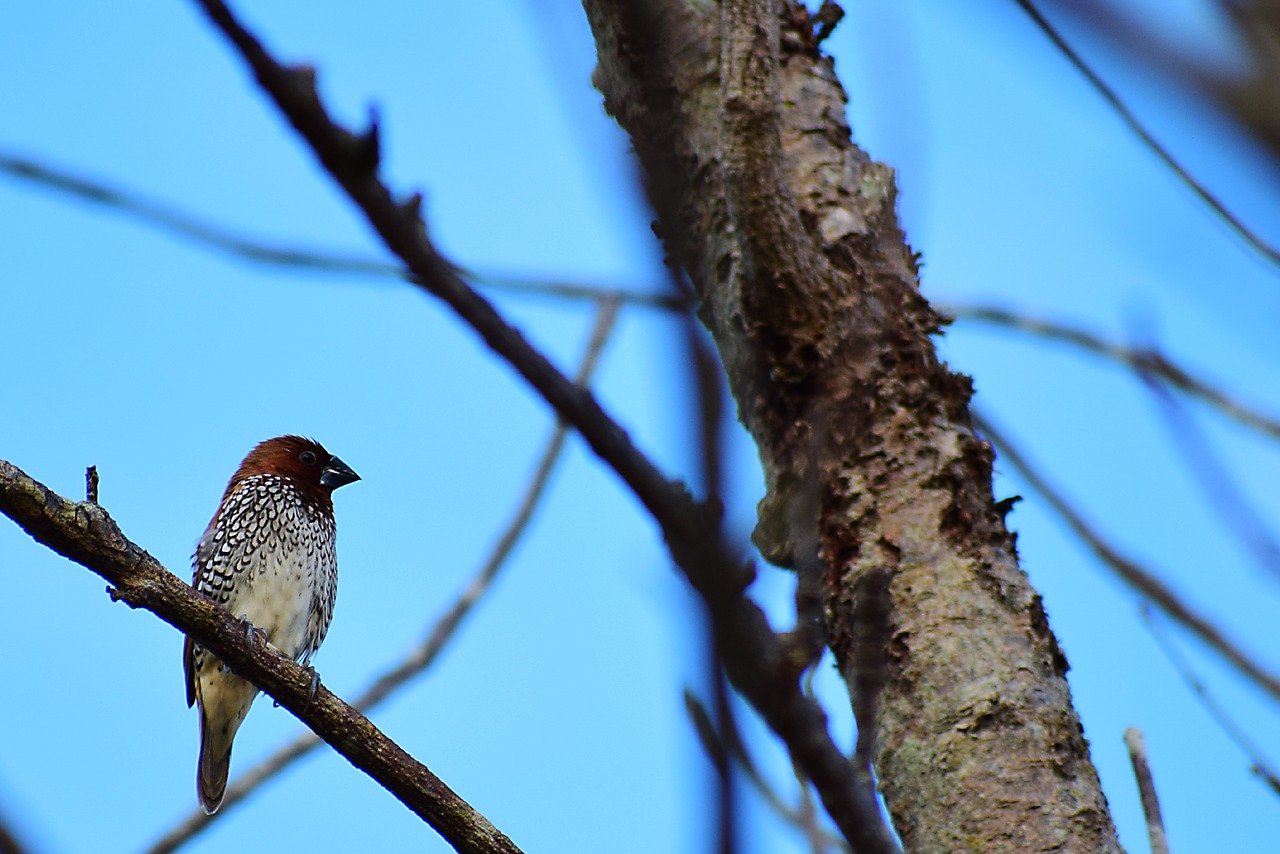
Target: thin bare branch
(1221, 494)
(1140, 359)
(806, 817)
(1128, 570)
(690, 529)
(709, 410)
(445, 628)
(575, 291)
(1146, 789)
(726, 745)
(86, 534)
(1265, 249)
(1260, 765)
(1245, 89)
(708, 413)
(169, 218)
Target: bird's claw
(252, 633)
(315, 685)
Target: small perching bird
(268, 556)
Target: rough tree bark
(875, 478)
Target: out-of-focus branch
(422, 656)
(1126, 115)
(806, 816)
(708, 409)
(725, 745)
(1128, 570)
(9, 843)
(1220, 491)
(169, 218)
(1140, 359)
(753, 655)
(1244, 86)
(1260, 765)
(1146, 789)
(86, 534)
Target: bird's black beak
(337, 473)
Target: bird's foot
(252, 633)
(315, 685)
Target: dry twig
(1265, 249)
(1144, 360)
(170, 218)
(1221, 494)
(1146, 789)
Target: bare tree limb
(691, 530)
(1128, 570)
(445, 628)
(169, 218)
(86, 534)
(1146, 790)
(1265, 249)
(1141, 359)
(869, 459)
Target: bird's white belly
(277, 599)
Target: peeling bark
(790, 234)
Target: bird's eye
(308, 458)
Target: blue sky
(557, 712)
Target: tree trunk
(878, 490)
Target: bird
(268, 556)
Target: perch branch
(86, 534)
(424, 654)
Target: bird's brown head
(305, 462)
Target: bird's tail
(213, 767)
(224, 699)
